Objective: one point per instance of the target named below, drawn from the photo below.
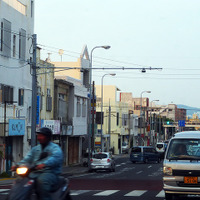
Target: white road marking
(135, 193)
(161, 194)
(117, 165)
(78, 192)
(149, 166)
(106, 193)
(139, 172)
(4, 190)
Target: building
(17, 23)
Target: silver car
(102, 161)
(181, 166)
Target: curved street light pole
(102, 147)
(90, 92)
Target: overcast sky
(142, 33)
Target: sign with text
(181, 123)
(38, 111)
(54, 125)
(16, 127)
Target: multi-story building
(17, 23)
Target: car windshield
(100, 156)
(184, 149)
(159, 145)
(136, 150)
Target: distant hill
(190, 110)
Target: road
(130, 181)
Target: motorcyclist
(49, 167)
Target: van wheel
(168, 196)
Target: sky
(142, 33)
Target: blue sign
(38, 111)
(181, 123)
(16, 127)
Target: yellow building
(115, 119)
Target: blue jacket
(53, 161)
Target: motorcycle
(24, 187)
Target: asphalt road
(130, 181)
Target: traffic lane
(113, 184)
(128, 170)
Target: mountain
(190, 110)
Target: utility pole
(109, 125)
(93, 110)
(34, 92)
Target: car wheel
(168, 196)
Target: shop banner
(16, 127)
(54, 125)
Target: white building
(16, 25)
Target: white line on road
(4, 190)
(106, 193)
(135, 193)
(139, 172)
(78, 192)
(149, 166)
(117, 165)
(161, 194)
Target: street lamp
(151, 119)
(102, 109)
(141, 110)
(90, 90)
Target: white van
(181, 166)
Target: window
(117, 119)
(21, 97)
(124, 119)
(1, 39)
(49, 100)
(6, 37)
(78, 107)
(22, 44)
(6, 93)
(98, 118)
(84, 108)
(14, 45)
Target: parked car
(181, 165)
(160, 148)
(125, 147)
(102, 161)
(144, 154)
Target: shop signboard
(16, 127)
(54, 125)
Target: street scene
(99, 100)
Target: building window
(124, 119)
(117, 119)
(22, 44)
(6, 94)
(49, 100)
(21, 97)
(1, 39)
(14, 45)
(78, 107)
(6, 37)
(84, 108)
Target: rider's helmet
(45, 131)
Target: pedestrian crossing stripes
(134, 193)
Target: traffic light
(168, 122)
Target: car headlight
(167, 171)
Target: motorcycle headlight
(21, 170)
(167, 171)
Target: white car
(102, 161)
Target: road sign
(181, 123)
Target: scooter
(24, 187)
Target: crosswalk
(134, 193)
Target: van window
(184, 149)
(159, 146)
(136, 150)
